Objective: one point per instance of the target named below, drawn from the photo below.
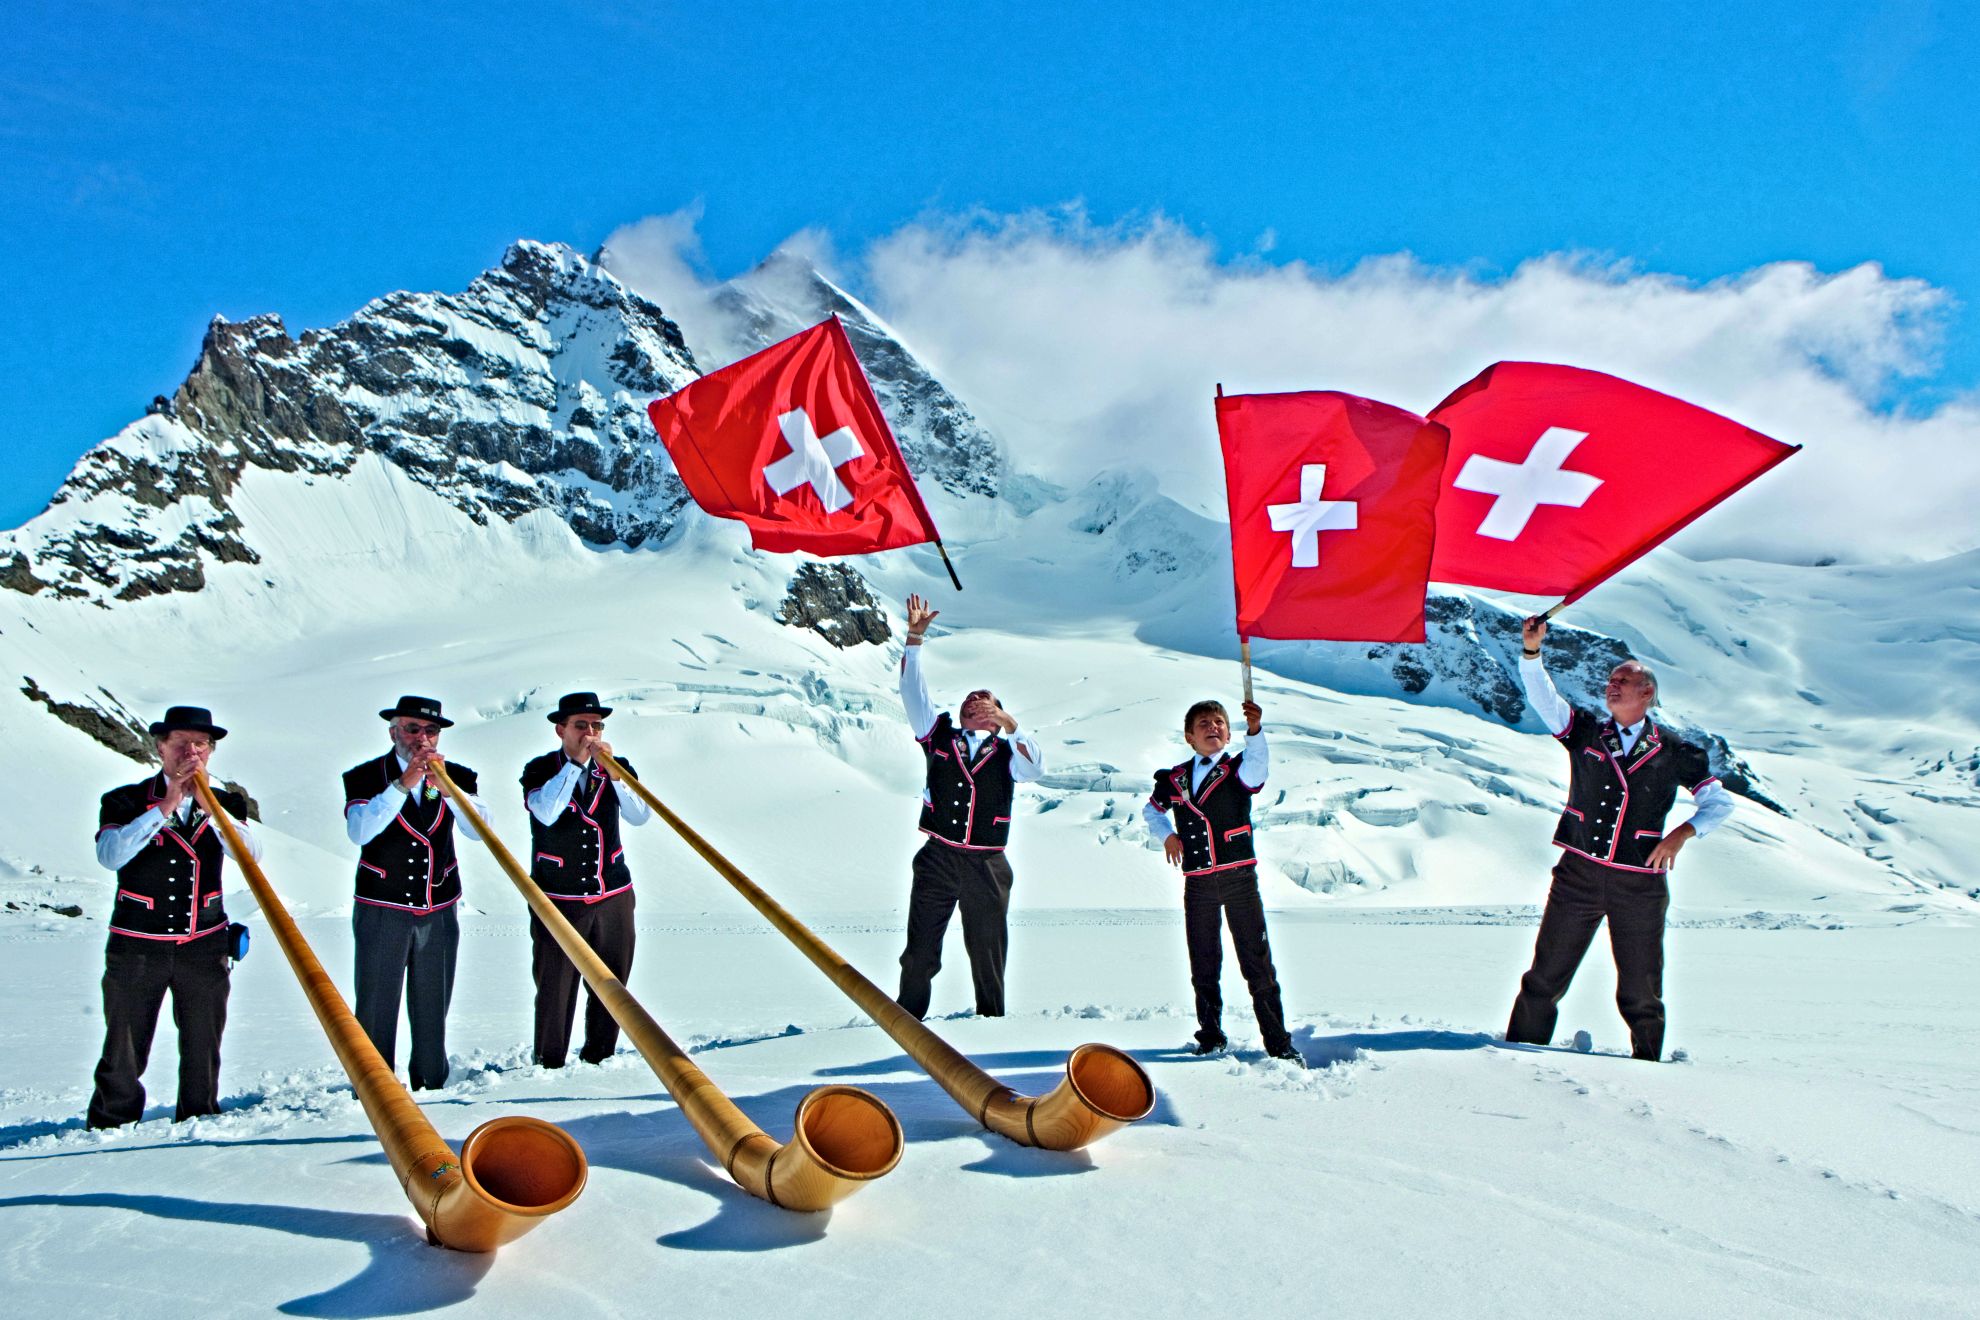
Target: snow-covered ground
(1816, 1152)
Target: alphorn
(1103, 1088)
(845, 1137)
(511, 1173)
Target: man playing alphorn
(168, 927)
(577, 859)
(1623, 776)
(408, 882)
(972, 762)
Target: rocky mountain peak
(524, 391)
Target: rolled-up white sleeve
(467, 826)
(1256, 762)
(1712, 803)
(365, 821)
(548, 802)
(117, 844)
(632, 807)
(1027, 762)
(1157, 821)
(1555, 713)
(914, 694)
(248, 837)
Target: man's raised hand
(919, 616)
(1532, 633)
(1254, 719)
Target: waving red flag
(1333, 501)
(792, 442)
(1559, 477)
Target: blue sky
(163, 164)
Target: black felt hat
(417, 708)
(578, 703)
(193, 719)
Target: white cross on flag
(1558, 477)
(1333, 501)
(791, 442)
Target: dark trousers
(136, 976)
(1209, 901)
(980, 882)
(1583, 893)
(410, 954)
(607, 926)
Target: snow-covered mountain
(459, 494)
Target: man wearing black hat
(168, 926)
(577, 859)
(408, 881)
(972, 762)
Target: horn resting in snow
(845, 1137)
(511, 1173)
(1103, 1088)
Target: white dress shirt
(1711, 804)
(367, 820)
(1251, 772)
(116, 847)
(548, 802)
(1027, 764)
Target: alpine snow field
(459, 495)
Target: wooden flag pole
(1244, 653)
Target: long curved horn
(845, 1137)
(511, 1172)
(1103, 1088)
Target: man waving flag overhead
(791, 442)
(1332, 511)
(1558, 477)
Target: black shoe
(1216, 1046)
(1289, 1054)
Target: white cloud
(1088, 348)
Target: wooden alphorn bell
(845, 1137)
(511, 1172)
(1103, 1088)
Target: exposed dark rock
(461, 391)
(253, 809)
(836, 603)
(118, 729)
(16, 575)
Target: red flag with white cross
(791, 442)
(1333, 510)
(1559, 477)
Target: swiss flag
(791, 442)
(1333, 501)
(1558, 477)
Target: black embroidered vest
(1616, 803)
(967, 802)
(580, 856)
(1215, 821)
(410, 863)
(170, 891)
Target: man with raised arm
(973, 761)
(408, 882)
(578, 861)
(168, 925)
(1623, 777)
